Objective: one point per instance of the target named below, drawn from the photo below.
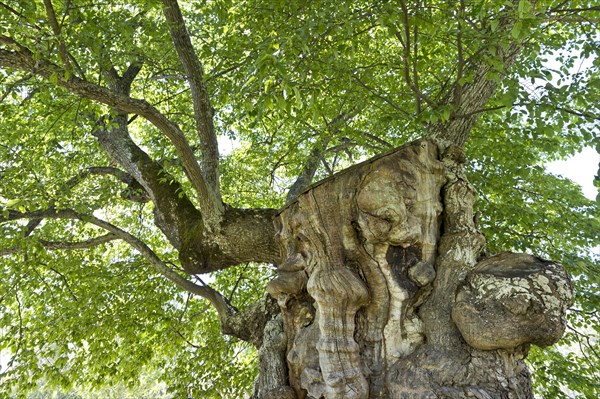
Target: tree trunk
(384, 293)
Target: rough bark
(382, 295)
(203, 112)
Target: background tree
(113, 184)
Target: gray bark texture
(384, 291)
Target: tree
(116, 200)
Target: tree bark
(384, 293)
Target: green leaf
(12, 202)
(494, 25)
(517, 30)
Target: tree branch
(203, 112)
(406, 58)
(474, 95)
(461, 60)
(415, 56)
(582, 114)
(65, 281)
(68, 246)
(18, 14)
(136, 190)
(175, 215)
(10, 87)
(23, 59)
(311, 165)
(381, 96)
(576, 10)
(62, 49)
(224, 309)
(122, 84)
(379, 140)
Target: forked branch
(22, 58)
(468, 99)
(311, 165)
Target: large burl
(359, 252)
(380, 268)
(512, 299)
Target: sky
(581, 169)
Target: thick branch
(45, 214)
(470, 98)
(246, 235)
(308, 172)
(122, 84)
(23, 59)
(203, 111)
(174, 213)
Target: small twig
(11, 86)
(187, 341)
(64, 279)
(576, 10)
(381, 96)
(68, 246)
(237, 282)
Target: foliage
(147, 389)
(289, 81)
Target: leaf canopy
(298, 88)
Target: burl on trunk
(382, 295)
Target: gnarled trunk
(383, 292)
